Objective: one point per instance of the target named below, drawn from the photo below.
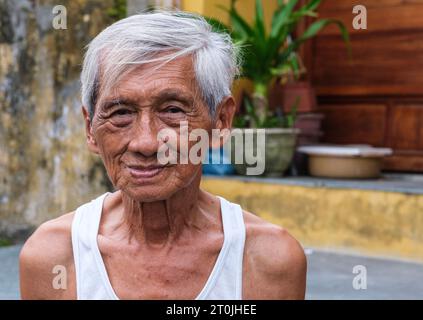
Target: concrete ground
(9, 272)
(330, 276)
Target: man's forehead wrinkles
(135, 97)
(182, 66)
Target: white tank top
(92, 281)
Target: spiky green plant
(269, 54)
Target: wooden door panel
(354, 123)
(405, 127)
(347, 5)
(374, 68)
(382, 16)
(404, 162)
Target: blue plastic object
(219, 164)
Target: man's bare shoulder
(48, 247)
(275, 259)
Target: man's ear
(92, 144)
(224, 116)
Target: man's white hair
(160, 36)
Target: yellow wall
(364, 221)
(245, 7)
(193, 5)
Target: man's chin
(150, 193)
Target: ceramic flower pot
(278, 150)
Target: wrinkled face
(124, 129)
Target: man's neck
(160, 222)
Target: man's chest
(178, 274)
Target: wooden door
(376, 97)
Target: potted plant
(268, 55)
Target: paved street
(330, 276)
(9, 272)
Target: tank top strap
(89, 279)
(227, 282)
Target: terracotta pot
(286, 95)
(309, 123)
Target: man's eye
(173, 110)
(121, 112)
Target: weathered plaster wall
(45, 167)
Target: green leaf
(251, 110)
(282, 25)
(240, 121)
(281, 18)
(281, 69)
(294, 65)
(312, 5)
(319, 25)
(292, 116)
(217, 25)
(241, 30)
(312, 31)
(259, 20)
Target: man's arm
(289, 267)
(47, 255)
(276, 263)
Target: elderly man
(159, 236)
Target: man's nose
(144, 136)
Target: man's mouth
(144, 172)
